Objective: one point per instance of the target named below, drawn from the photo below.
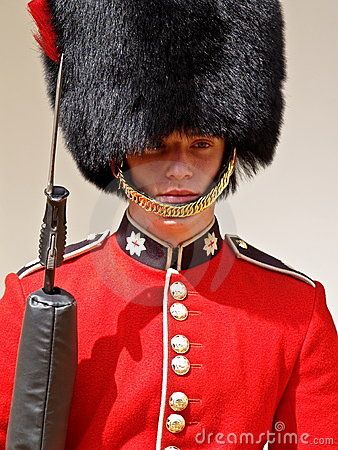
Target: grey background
(289, 210)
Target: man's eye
(201, 144)
(154, 149)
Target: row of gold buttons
(178, 401)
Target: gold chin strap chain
(177, 209)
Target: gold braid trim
(177, 209)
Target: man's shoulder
(248, 252)
(73, 250)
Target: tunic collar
(148, 249)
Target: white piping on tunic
(169, 272)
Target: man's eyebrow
(191, 136)
(161, 142)
(201, 136)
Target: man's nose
(178, 166)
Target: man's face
(180, 169)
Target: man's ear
(124, 165)
(114, 168)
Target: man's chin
(168, 220)
(173, 220)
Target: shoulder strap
(246, 251)
(71, 250)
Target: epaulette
(78, 248)
(249, 253)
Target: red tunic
(256, 352)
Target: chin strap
(177, 209)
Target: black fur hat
(136, 70)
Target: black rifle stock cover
(45, 373)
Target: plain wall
(289, 210)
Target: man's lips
(177, 196)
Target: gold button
(178, 401)
(242, 244)
(180, 365)
(172, 447)
(178, 290)
(178, 311)
(180, 343)
(175, 423)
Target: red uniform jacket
(211, 345)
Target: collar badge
(135, 244)
(210, 244)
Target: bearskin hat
(137, 70)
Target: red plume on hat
(46, 35)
